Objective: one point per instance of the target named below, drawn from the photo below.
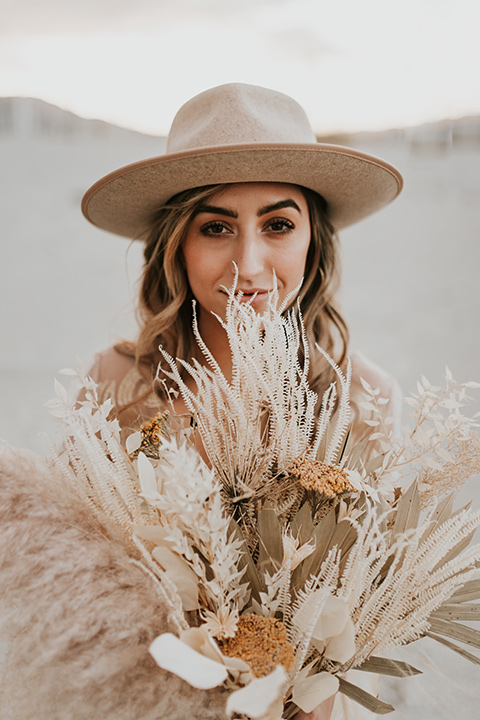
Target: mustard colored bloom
(262, 643)
(328, 480)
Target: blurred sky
(353, 64)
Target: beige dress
(118, 378)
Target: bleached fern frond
(344, 414)
(392, 591)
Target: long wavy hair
(165, 306)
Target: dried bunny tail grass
(79, 615)
(453, 474)
(443, 437)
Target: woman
(244, 185)
(243, 193)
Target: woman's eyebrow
(278, 206)
(216, 211)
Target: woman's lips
(254, 297)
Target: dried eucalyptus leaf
(251, 574)
(408, 511)
(343, 537)
(270, 546)
(387, 666)
(462, 633)
(441, 514)
(302, 524)
(356, 453)
(456, 648)
(375, 463)
(455, 550)
(458, 611)
(345, 540)
(469, 591)
(362, 697)
(322, 536)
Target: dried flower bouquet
(293, 555)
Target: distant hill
(439, 135)
(30, 116)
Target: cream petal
(355, 479)
(133, 442)
(238, 669)
(146, 475)
(333, 619)
(303, 617)
(200, 640)
(170, 653)
(342, 647)
(187, 590)
(310, 692)
(259, 699)
(180, 574)
(170, 561)
(153, 533)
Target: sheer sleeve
(118, 378)
(362, 368)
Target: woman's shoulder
(112, 364)
(118, 377)
(363, 369)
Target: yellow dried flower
(150, 435)
(152, 429)
(328, 480)
(261, 642)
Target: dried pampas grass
(80, 614)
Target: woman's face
(261, 227)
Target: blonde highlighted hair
(165, 306)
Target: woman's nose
(249, 258)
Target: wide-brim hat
(241, 133)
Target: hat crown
(237, 114)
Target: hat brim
(353, 183)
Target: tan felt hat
(241, 133)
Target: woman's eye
(214, 228)
(280, 225)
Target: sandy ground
(410, 292)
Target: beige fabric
(241, 133)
